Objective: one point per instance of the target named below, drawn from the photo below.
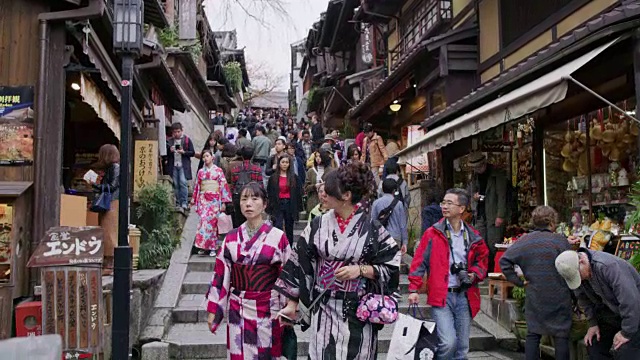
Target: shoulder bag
(101, 202)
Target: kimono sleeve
(296, 279)
(218, 294)
(225, 194)
(386, 258)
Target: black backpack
(398, 193)
(244, 177)
(385, 214)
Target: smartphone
(178, 146)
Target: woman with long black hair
(211, 145)
(285, 200)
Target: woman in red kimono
(210, 193)
(247, 267)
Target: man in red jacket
(453, 258)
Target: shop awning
(94, 98)
(538, 94)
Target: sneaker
(212, 253)
(201, 252)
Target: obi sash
(254, 277)
(210, 186)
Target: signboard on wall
(16, 125)
(420, 162)
(145, 165)
(162, 131)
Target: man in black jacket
(179, 153)
(317, 133)
(608, 290)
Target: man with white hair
(608, 290)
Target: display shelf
(608, 203)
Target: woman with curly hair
(339, 258)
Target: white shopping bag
(405, 336)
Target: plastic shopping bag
(413, 339)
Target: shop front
(567, 138)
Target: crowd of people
(265, 169)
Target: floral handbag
(378, 308)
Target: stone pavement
(177, 328)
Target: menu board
(16, 125)
(627, 246)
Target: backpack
(398, 193)
(244, 177)
(385, 214)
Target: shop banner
(420, 162)
(64, 245)
(16, 125)
(145, 165)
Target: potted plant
(519, 295)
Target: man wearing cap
(489, 193)
(374, 152)
(608, 290)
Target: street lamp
(127, 42)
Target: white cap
(568, 267)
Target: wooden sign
(627, 246)
(72, 308)
(63, 246)
(145, 166)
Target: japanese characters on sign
(69, 246)
(16, 125)
(145, 166)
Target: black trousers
(532, 347)
(603, 349)
(284, 219)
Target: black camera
(460, 270)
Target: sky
(266, 39)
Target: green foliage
(519, 294)
(347, 130)
(158, 224)
(293, 110)
(634, 199)
(169, 36)
(314, 98)
(635, 261)
(233, 73)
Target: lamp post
(127, 42)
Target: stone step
(195, 341)
(192, 308)
(473, 355)
(197, 282)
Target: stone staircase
(186, 334)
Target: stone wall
(145, 287)
(196, 129)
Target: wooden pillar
(49, 142)
(636, 72)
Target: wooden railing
(426, 17)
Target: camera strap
(450, 240)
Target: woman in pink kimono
(247, 267)
(210, 193)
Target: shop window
(599, 149)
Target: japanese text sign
(69, 246)
(145, 166)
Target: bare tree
(263, 79)
(261, 11)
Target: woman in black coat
(285, 199)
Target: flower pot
(521, 329)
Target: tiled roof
(627, 11)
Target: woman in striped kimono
(342, 256)
(245, 272)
